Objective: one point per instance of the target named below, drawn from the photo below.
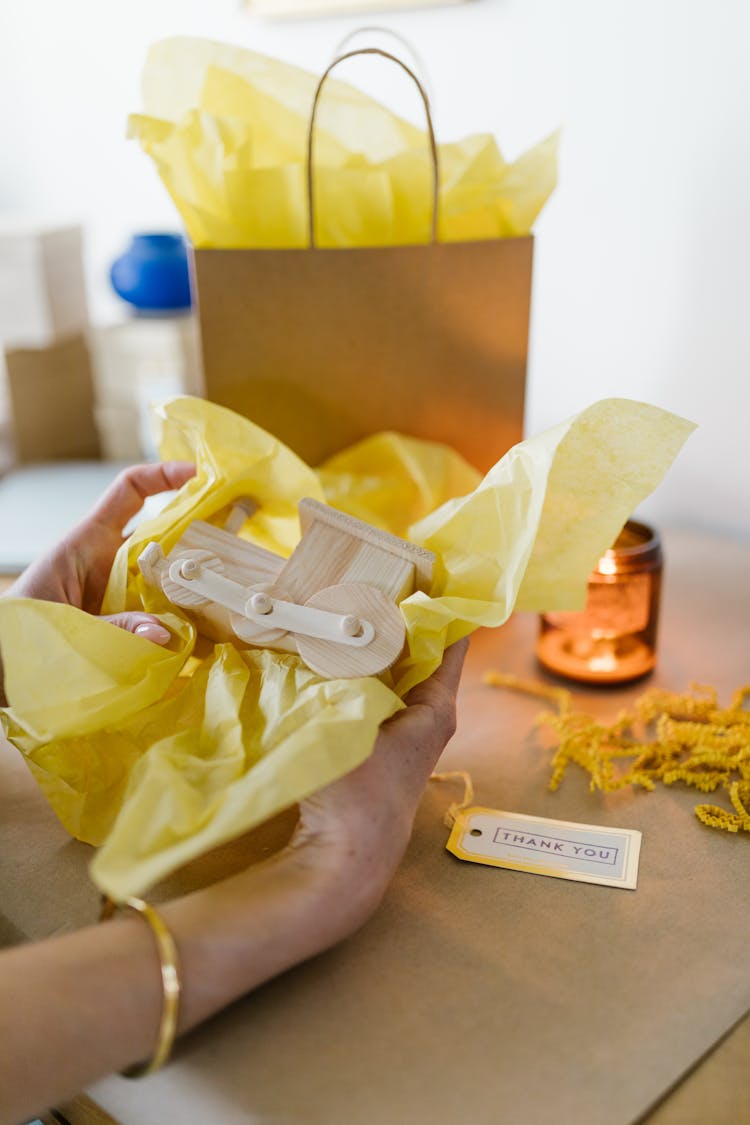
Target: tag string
(458, 806)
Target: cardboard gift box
(52, 401)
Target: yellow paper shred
(697, 743)
(561, 696)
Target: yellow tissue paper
(227, 129)
(233, 458)
(391, 481)
(160, 755)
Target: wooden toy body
(334, 601)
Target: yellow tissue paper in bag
(227, 129)
(160, 755)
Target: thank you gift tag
(561, 848)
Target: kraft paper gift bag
(352, 276)
(325, 345)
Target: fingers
(125, 496)
(449, 672)
(429, 720)
(142, 624)
(370, 811)
(445, 679)
(435, 698)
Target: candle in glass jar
(613, 639)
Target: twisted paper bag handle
(402, 41)
(311, 130)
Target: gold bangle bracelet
(170, 982)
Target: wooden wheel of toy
(341, 661)
(180, 595)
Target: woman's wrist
(237, 934)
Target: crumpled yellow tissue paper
(158, 755)
(227, 129)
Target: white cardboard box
(42, 286)
(137, 362)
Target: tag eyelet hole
(475, 832)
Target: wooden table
(476, 993)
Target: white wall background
(642, 282)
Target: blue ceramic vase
(152, 274)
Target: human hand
(77, 569)
(357, 829)
(329, 879)
(231, 936)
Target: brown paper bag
(324, 346)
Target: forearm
(256, 925)
(84, 1005)
(74, 1008)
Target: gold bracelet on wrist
(170, 982)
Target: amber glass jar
(613, 639)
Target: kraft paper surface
(160, 755)
(227, 129)
(475, 993)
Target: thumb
(125, 496)
(144, 625)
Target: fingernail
(153, 632)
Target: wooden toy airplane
(334, 601)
